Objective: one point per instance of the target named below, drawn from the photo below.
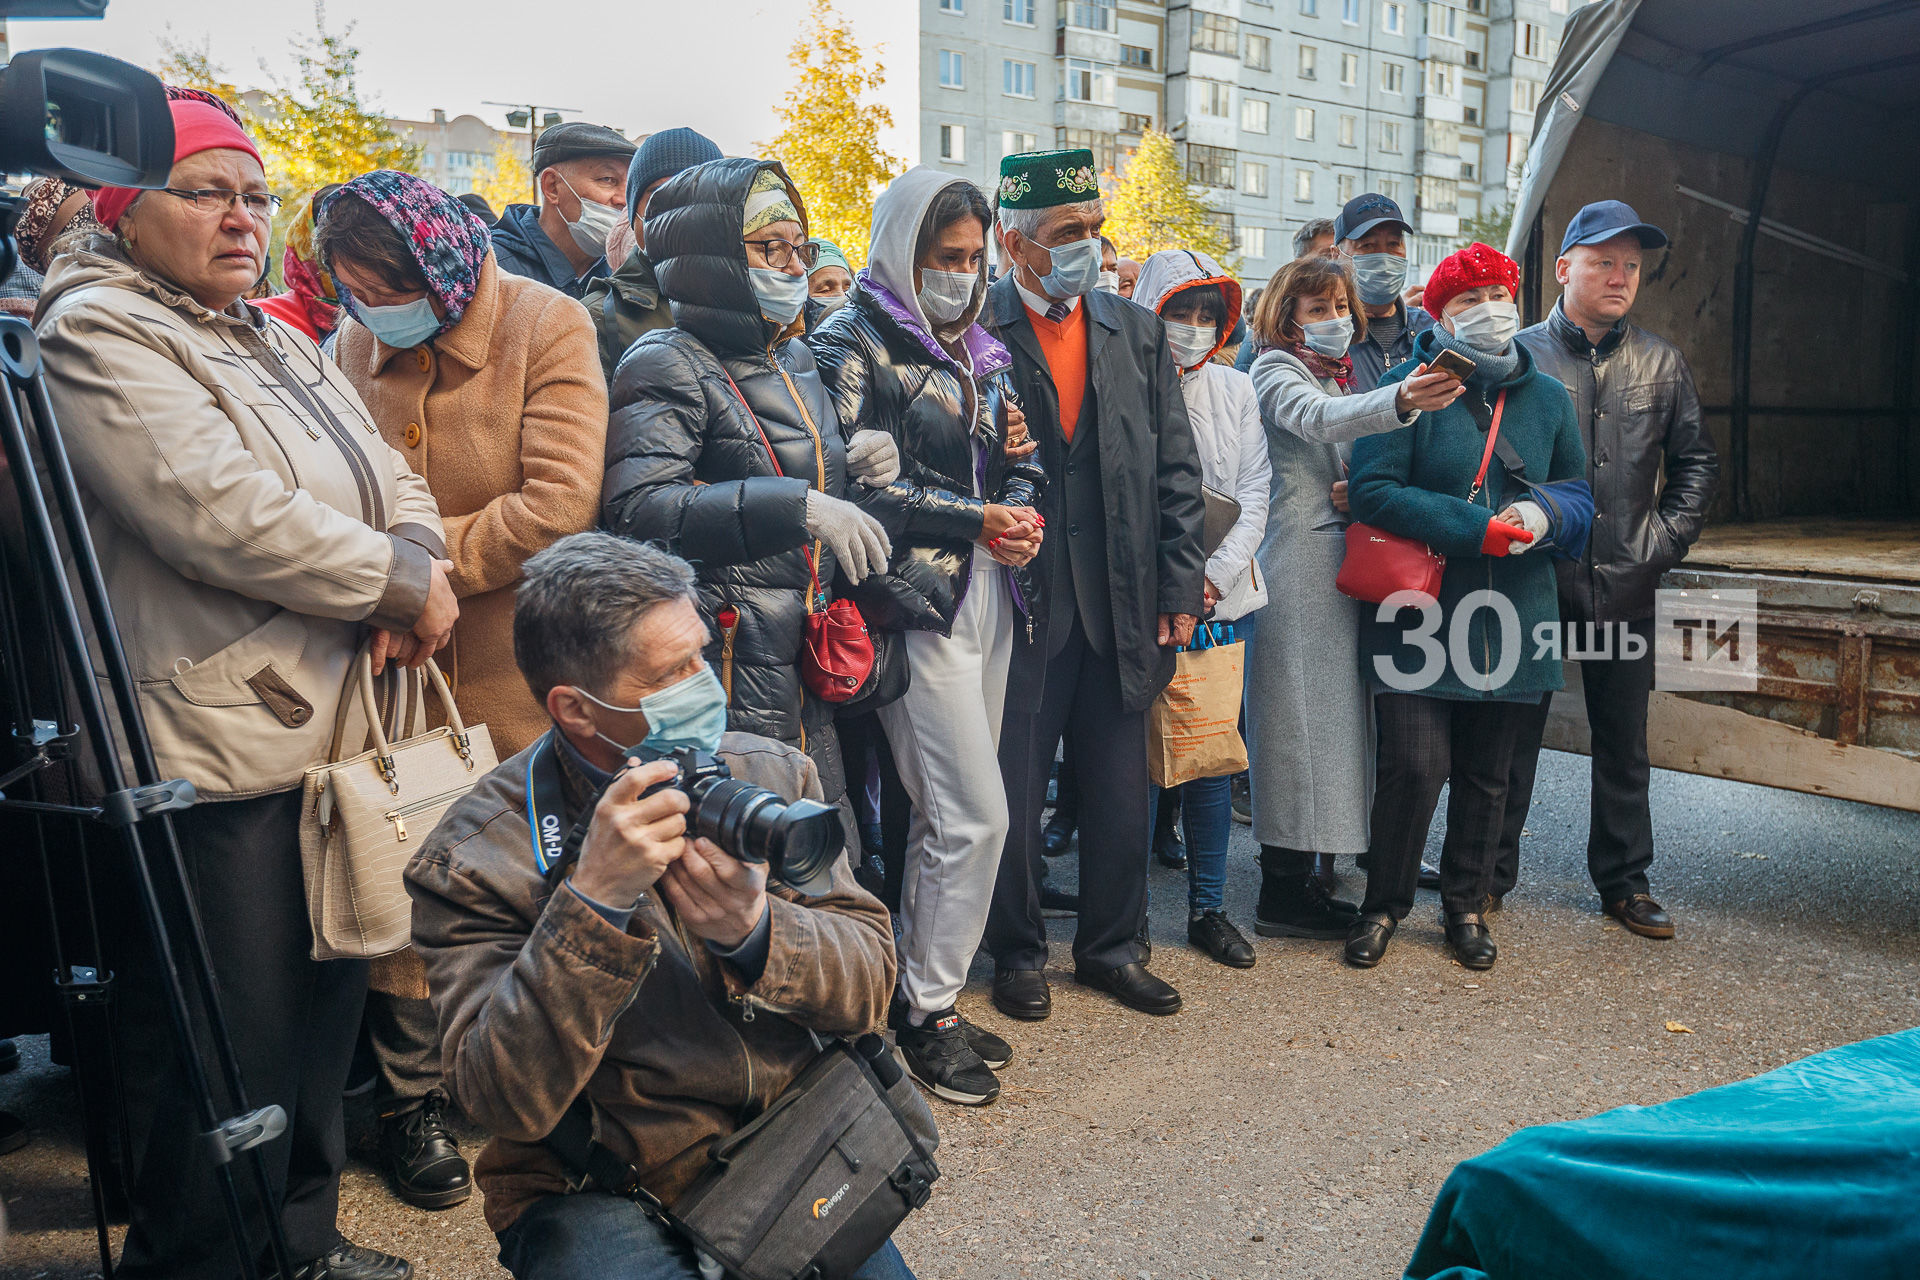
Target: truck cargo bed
(1871, 550)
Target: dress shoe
(1297, 907)
(13, 1132)
(1429, 876)
(1214, 934)
(1133, 986)
(1242, 800)
(1056, 903)
(1642, 915)
(1057, 836)
(1324, 873)
(1367, 940)
(1022, 993)
(1472, 944)
(421, 1157)
(349, 1261)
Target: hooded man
(581, 170)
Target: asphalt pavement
(1298, 1118)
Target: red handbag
(1379, 563)
(836, 649)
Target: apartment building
(1284, 109)
(454, 152)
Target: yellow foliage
(505, 179)
(829, 139)
(1154, 208)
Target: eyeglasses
(780, 252)
(220, 199)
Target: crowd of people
(614, 459)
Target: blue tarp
(1812, 1170)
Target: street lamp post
(533, 118)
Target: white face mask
(596, 222)
(945, 295)
(1110, 281)
(1489, 326)
(1330, 338)
(1190, 343)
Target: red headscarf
(197, 127)
(1471, 268)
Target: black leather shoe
(1022, 993)
(1323, 872)
(1214, 934)
(1057, 837)
(1055, 903)
(1642, 915)
(1429, 876)
(421, 1157)
(1368, 939)
(13, 1132)
(1472, 944)
(1297, 907)
(349, 1261)
(1133, 986)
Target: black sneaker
(938, 1056)
(349, 1261)
(421, 1157)
(993, 1051)
(1242, 801)
(1297, 907)
(1214, 934)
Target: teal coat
(1414, 482)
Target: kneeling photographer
(581, 943)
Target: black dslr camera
(797, 840)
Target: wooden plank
(1883, 550)
(1719, 742)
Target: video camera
(798, 840)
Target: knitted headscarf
(446, 239)
(768, 202)
(830, 256)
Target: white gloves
(873, 457)
(857, 540)
(1533, 518)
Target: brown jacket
(539, 997)
(505, 415)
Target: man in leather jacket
(1653, 469)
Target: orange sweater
(1064, 344)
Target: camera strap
(556, 844)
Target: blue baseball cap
(1363, 213)
(1605, 219)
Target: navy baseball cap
(1605, 219)
(1363, 213)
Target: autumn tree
(321, 128)
(191, 66)
(829, 139)
(1153, 207)
(505, 178)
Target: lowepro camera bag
(811, 1188)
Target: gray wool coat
(1309, 714)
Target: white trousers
(945, 735)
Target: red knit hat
(1476, 265)
(196, 127)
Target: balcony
(1099, 117)
(1430, 223)
(1432, 164)
(1440, 49)
(1434, 107)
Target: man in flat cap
(581, 170)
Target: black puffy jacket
(689, 466)
(882, 377)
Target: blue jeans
(596, 1236)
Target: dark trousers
(292, 1020)
(864, 747)
(1424, 743)
(1620, 817)
(1107, 748)
(405, 1040)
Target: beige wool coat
(505, 415)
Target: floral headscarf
(305, 278)
(36, 232)
(447, 240)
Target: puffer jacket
(887, 372)
(625, 305)
(722, 483)
(1649, 456)
(250, 520)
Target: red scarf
(1340, 370)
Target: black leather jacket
(883, 377)
(1649, 457)
(688, 465)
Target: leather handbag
(363, 817)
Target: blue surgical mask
(690, 713)
(780, 295)
(407, 325)
(1379, 276)
(1330, 338)
(1076, 269)
(1490, 326)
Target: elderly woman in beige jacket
(252, 526)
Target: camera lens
(797, 841)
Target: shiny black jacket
(1649, 457)
(688, 465)
(882, 377)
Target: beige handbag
(363, 817)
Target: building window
(1013, 143)
(1135, 122)
(1016, 79)
(1133, 55)
(1213, 98)
(1390, 188)
(1393, 19)
(1533, 40)
(1470, 161)
(1088, 82)
(1303, 123)
(1476, 49)
(955, 7)
(953, 143)
(1253, 115)
(1473, 98)
(1101, 144)
(1253, 242)
(1303, 185)
(1443, 20)
(1260, 53)
(1253, 178)
(1089, 15)
(1556, 6)
(1349, 131)
(1349, 69)
(1309, 8)
(1216, 33)
(1476, 6)
(953, 69)
(1526, 95)
(1392, 78)
(1439, 195)
(1309, 61)
(1390, 136)
(1343, 187)
(1018, 12)
(1210, 166)
(1350, 12)
(1440, 79)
